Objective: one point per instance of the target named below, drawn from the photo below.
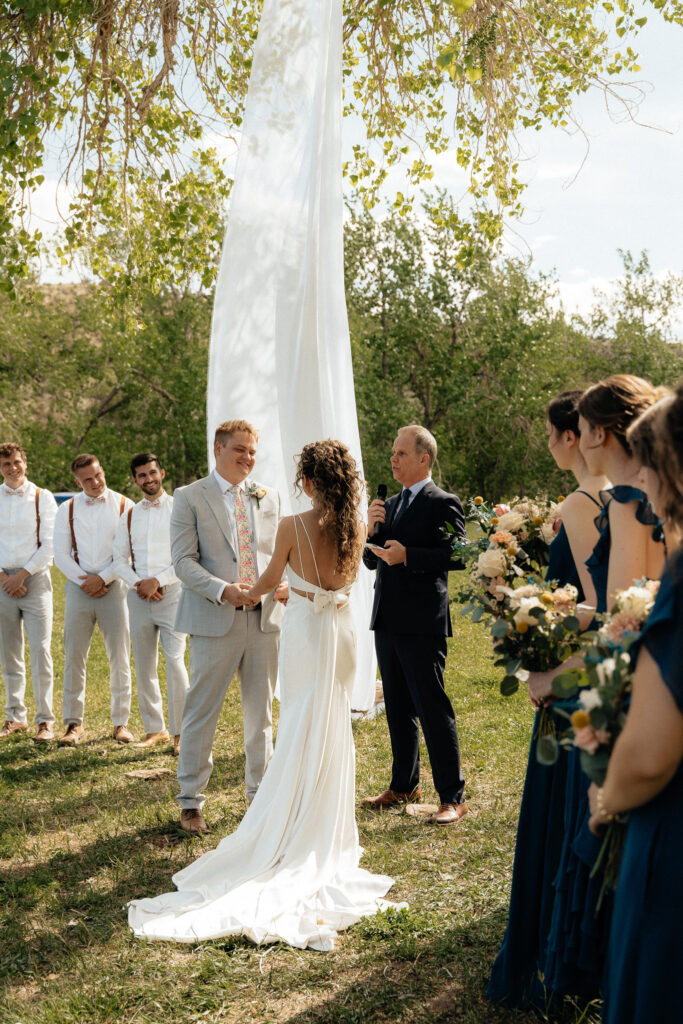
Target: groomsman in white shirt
(27, 515)
(142, 559)
(85, 528)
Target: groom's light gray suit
(223, 639)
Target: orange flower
(522, 627)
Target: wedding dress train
(290, 871)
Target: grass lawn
(79, 839)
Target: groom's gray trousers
(253, 654)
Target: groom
(222, 537)
(411, 620)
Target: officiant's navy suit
(411, 620)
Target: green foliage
(120, 93)
(474, 346)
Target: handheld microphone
(382, 496)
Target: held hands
(93, 586)
(234, 594)
(14, 585)
(282, 592)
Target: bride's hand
(282, 592)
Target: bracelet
(600, 804)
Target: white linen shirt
(150, 529)
(18, 537)
(95, 528)
(229, 502)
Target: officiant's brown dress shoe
(73, 735)
(448, 814)
(9, 728)
(192, 821)
(152, 739)
(390, 798)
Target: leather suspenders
(38, 516)
(74, 545)
(130, 539)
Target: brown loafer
(9, 728)
(448, 814)
(45, 733)
(73, 735)
(176, 746)
(192, 821)
(390, 798)
(122, 734)
(152, 739)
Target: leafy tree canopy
(119, 93)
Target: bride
(290, 871)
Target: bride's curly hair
(337, 484)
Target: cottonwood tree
(119, 96)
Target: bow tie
(327, 598)
(151, 504)
(9, 491)
(95, 501)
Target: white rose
(589, 699)
(523, 613)
(511, 521)
(548, 533)
(636, 601)
(492, 562)
(605, 670)
(528, 590)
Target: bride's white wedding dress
(290, 871)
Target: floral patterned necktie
(247, 560)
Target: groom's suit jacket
(413, 598)
(205, 555)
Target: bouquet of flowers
(604, 689)
(537, 629)
(513, 541)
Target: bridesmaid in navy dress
(629, 548)
(515, 977)
(645, 777)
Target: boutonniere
(254, 491)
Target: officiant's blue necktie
(403, 503)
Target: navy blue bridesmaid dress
(644, 981)
(579, 932)
(516, 978)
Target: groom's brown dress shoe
(390, 798)
(449, 814)
(192, 821)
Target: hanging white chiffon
(290, 872)
(280, 350)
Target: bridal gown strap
(290, 872)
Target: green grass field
(79, 839)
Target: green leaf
(513, 667)
(509, 685)
(499, 629)
(547, 750)
(571, 624)
(567, 683)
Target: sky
(618, 186)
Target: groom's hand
(393, 553)
(233, 595)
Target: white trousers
(251, 653)
(32, 613)
(81, 614)
(152, 622)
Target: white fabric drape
(280, 349)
